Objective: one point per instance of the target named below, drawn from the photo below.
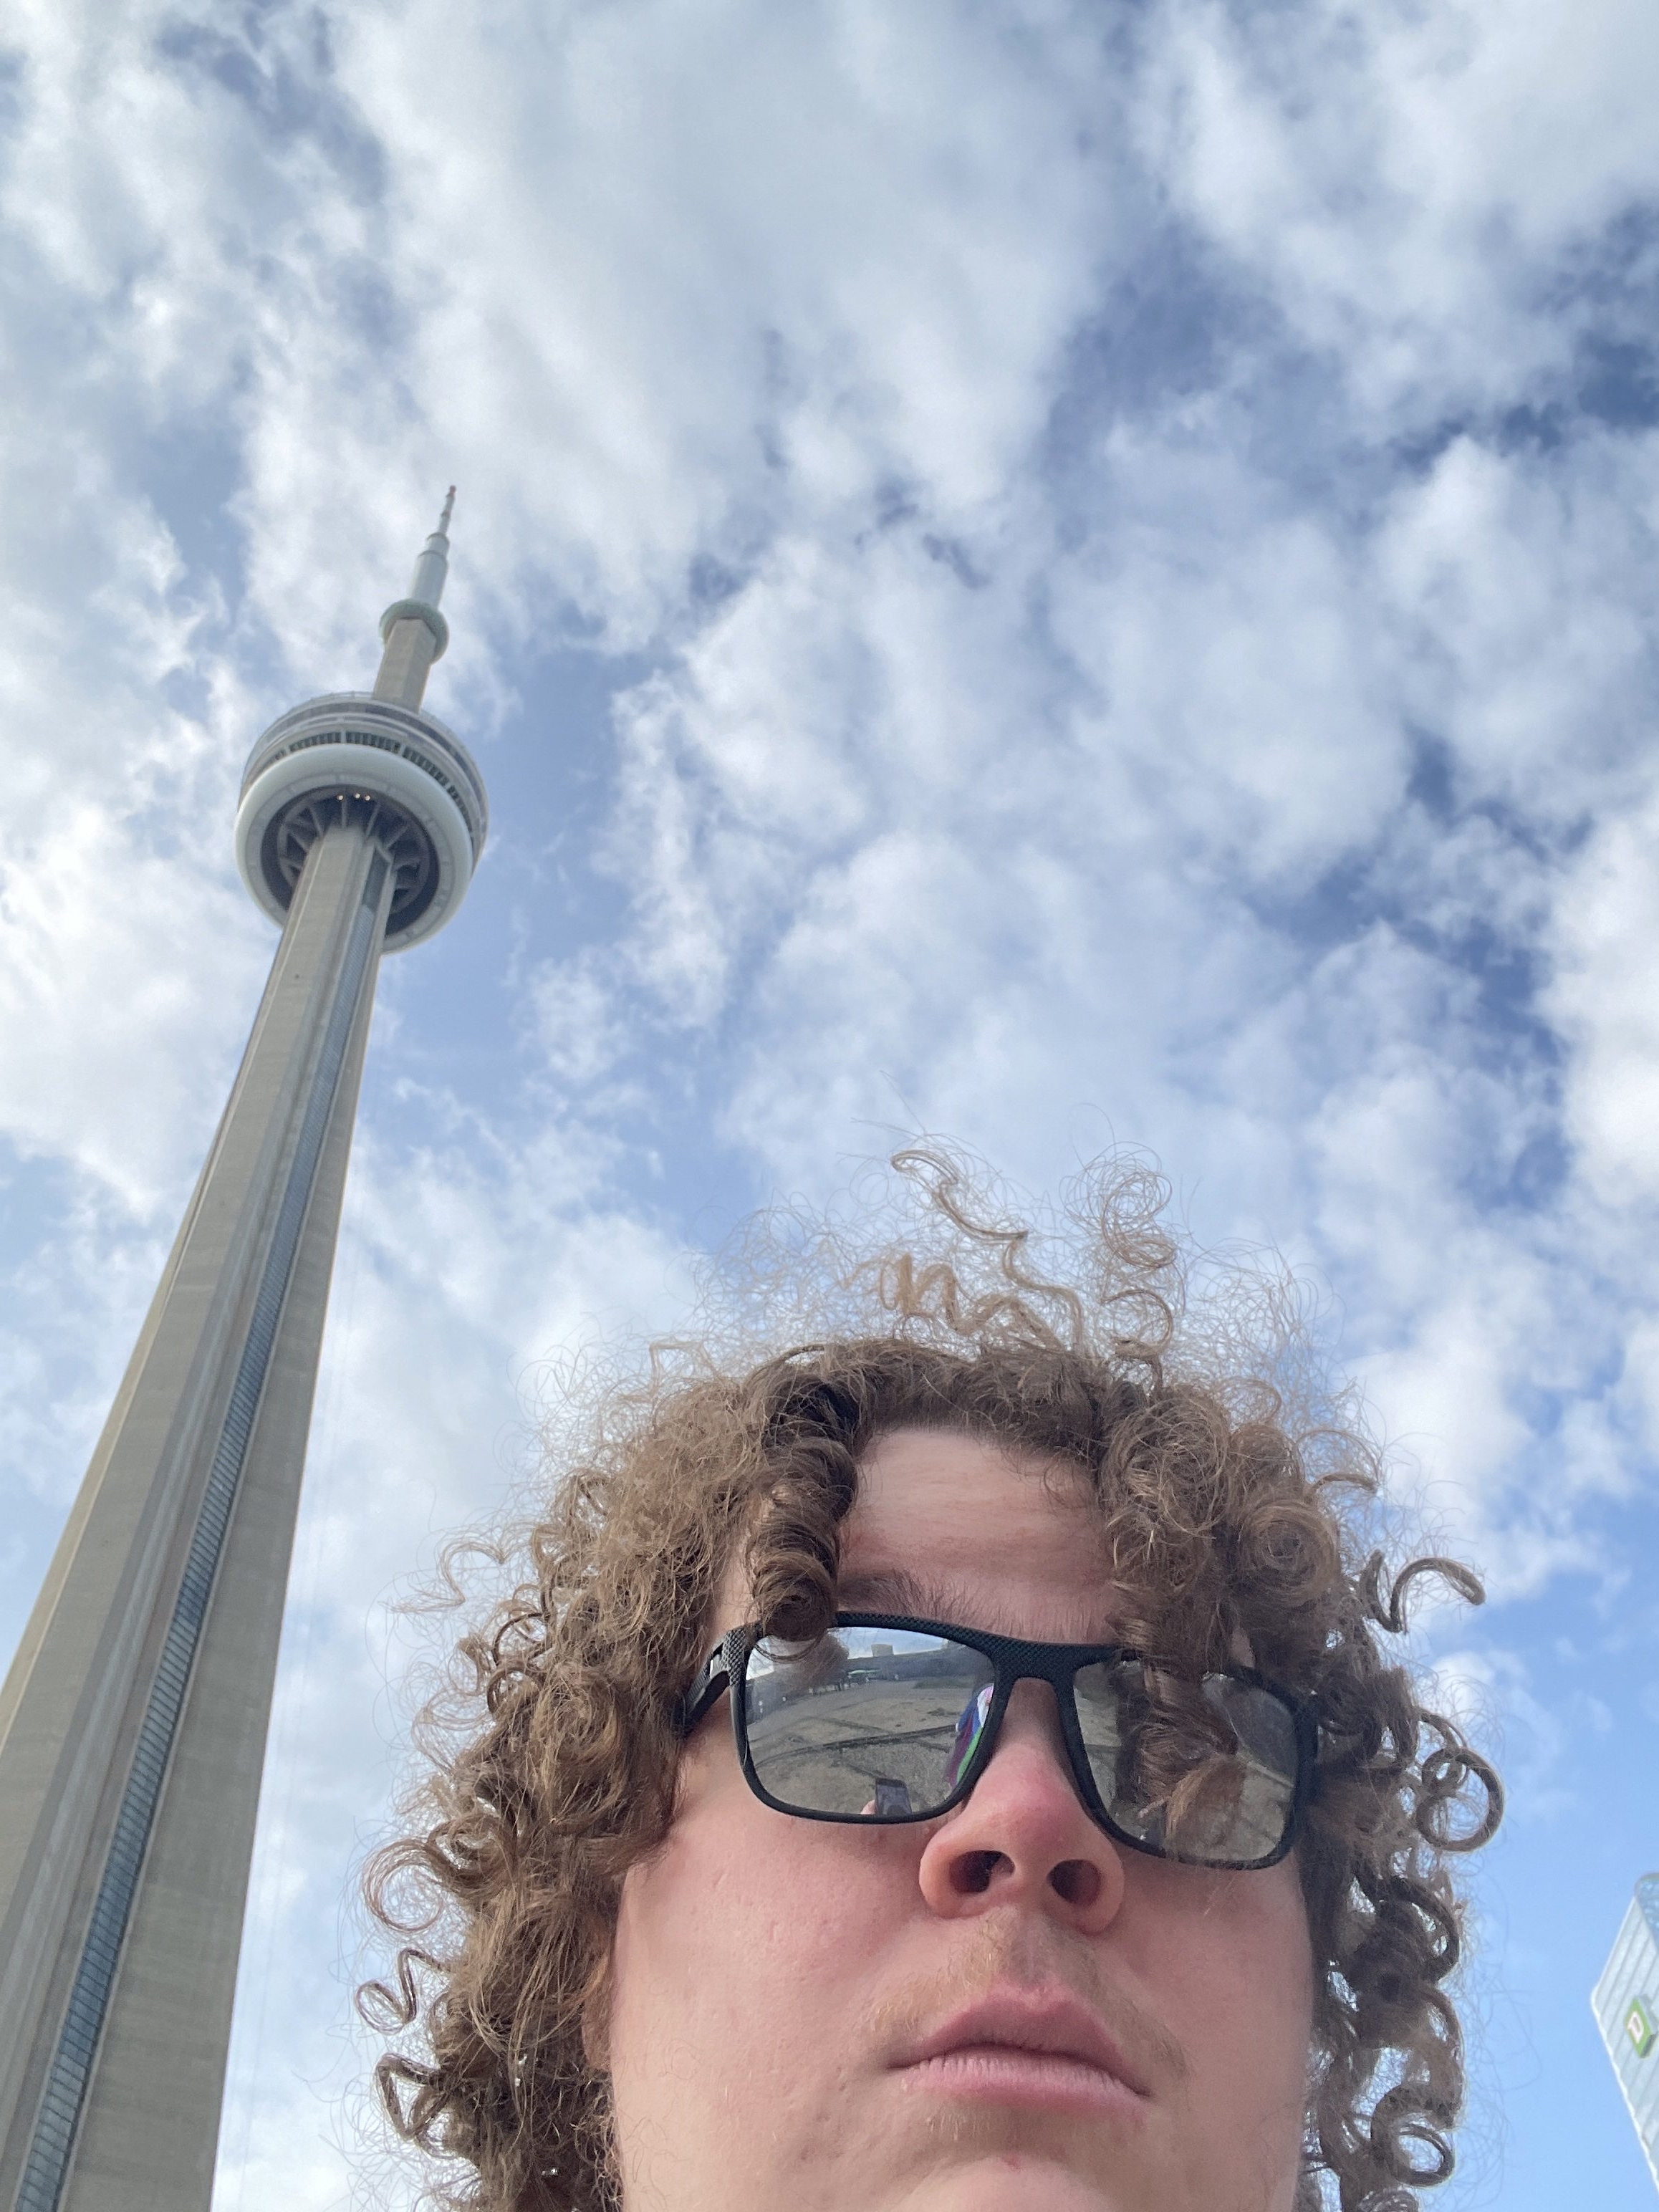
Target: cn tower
(133, 1721)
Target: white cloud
(1522, 575)
(1403, 184)
(1604, 998)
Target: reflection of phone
(892, 1797)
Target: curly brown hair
(1234, 1497)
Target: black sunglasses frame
(1014, 1659)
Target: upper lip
(1051, 2022)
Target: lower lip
(1036, 2081)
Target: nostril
(971, 1872)
(1076, 1880)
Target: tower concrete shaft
(133, 1719)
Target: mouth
(1043, 2050)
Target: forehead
(961, 1528)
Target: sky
(1071, 575)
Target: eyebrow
(897, 1589)
(922, 1597)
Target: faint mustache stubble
(1023, 1958)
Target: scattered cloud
(1114, 554)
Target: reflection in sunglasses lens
(863, 1723)
(882, 1724)
(1201, 1767)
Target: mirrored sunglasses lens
(866, 1723)
(1201, 1768)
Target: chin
(1015, 2182)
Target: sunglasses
(884, 1719)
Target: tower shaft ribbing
(132, 1722)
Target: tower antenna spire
(412, 631)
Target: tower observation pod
(133, 1719)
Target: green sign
(1638, 2025)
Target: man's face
(1001, 2010)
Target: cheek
(743, 1916)
(1243, 1988)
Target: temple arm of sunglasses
(713, 1677)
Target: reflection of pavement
(867, 1732)
(843, 1718)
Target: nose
(1022, 1837)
